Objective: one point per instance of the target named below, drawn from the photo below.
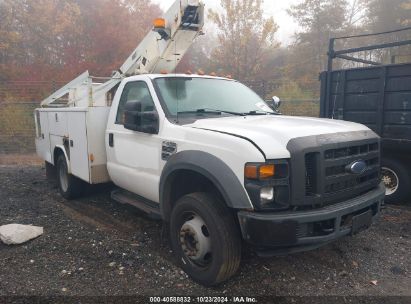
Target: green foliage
(291, 90)
(309, 108)
(17, 130)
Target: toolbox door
(79, 158)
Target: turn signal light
(265, 171)
(259, 172)
(160, 23)
(251, 172)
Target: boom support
(161, 50)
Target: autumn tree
(244, 35)
(112, 30)
(387, 16)
(37, 35)
(319, 21)
(199, 55)
(58, 39)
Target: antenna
(175, 75)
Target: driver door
(135, 156)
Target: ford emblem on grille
(357, 167)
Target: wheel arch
(61, 150)
(188, 167)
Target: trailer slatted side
(379, 97)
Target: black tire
(223, 238)
(397, 180)
(70, 186)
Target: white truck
(220, 166)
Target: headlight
(267, 184)
(267, 194)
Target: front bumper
(278, 233)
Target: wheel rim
(391, 181)
(195, 240)
(63, 176)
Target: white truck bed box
(80, 132)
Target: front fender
(211, 167)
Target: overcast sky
(275, 8)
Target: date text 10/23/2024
(203, 300)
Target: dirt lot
(94, 246)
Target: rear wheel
(70, 186)
(397, 181)
(205, 238)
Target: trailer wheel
(205, 239)
(396, 179)
(70, 186)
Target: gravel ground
(94, 246)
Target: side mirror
(276, 103)
(137, 120)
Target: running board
(127, 198)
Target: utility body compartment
(80, 134)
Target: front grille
(327, 176)
(350, 151)
(310, 175)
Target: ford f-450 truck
(220, 166)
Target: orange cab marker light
(250, 172)
(164, 72)
(267, 171)
(159, 23)
(92, 157)
(188, 72)
(213, 74)
(200, 72)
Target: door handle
(111, 140)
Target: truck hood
(272, 133)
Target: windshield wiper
(261, 112)
(212, 111)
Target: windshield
(206, 95)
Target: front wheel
(205, 238)
(70, 186)
(397, 181)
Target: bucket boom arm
(170, 39)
